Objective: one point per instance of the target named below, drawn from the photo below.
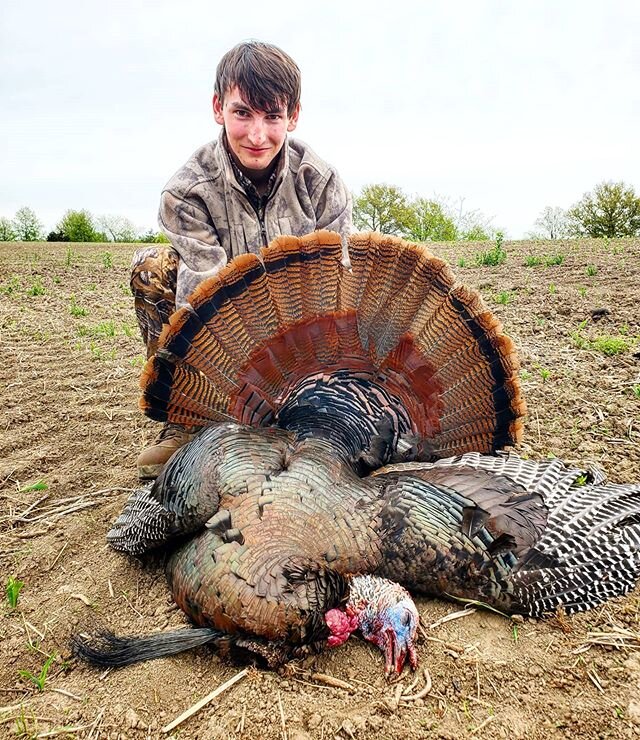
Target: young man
(235, 195)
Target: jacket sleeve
(334, 211)
(193, 235)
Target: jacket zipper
(260, 213)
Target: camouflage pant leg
(153, 284)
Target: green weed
(129, 330)
(544, 374)
(12, 591)
(11, 287)
(492, 258)
(137, 361)
(103, 329)
(26, 727)
(580, 341)
(635, 389)
(37, 288)
(591, 270)
(552, 289)
(610, 346)
(462, 262)
(106, 329)
(583, 291)
(107, 260)
(532, 261)
(556, 259)
(514, 632)
(75, 309)
(69, 257)
(41, 678)
(525, 375)
(606, 344)
(503, 298)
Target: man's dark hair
(264, 74)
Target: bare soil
(70, 432)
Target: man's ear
(217, 110)
(293, 119)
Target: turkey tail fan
(397, 337)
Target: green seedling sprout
(41, 678)
(12, 590)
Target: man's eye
(274, 116)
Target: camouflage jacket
(210, 219)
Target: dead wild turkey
(292, 533)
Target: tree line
(74, 226)
(611, 209)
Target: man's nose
(257, 131)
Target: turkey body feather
(348, 425)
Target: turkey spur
(348, 424)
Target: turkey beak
(397, 648)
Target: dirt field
(69, 436)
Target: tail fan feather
(257, 331)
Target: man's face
(254, 137)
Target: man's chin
(255, 166)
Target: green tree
(26, 225)
(611, 210)
(151, 237)
(382, 208)
(477, 232)
(77, 226)
(56, 236)
(430, 222)
(7, 232)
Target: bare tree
(117, 228)
(553, 223)
(470, 225)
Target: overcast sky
(511, 105)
